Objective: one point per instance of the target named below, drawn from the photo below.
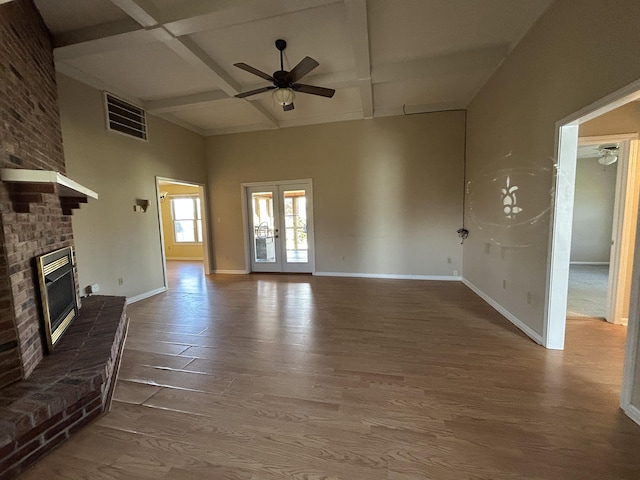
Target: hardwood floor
(301, 377)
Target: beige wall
(558, 68)
(173, 250)
(387, 192)
(593, 211)
(113, 241)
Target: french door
(280, 221)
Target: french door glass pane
(263, 227)
(295, 220)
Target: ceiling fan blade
(301, 69)
(286, 108)
(313, 90)
(255, 71)
(254, 92)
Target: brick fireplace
(43, 399)
(30, 138)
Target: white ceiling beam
(254, 127)
(359, 28)
(418, 109)
(146, 14)
(189, 51)
(453, 63)
(366, 97)
(142, 11)
(202, 15)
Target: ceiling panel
(147, 71)
(320, 33)
(437, 91)
(222, 114)
(421, 28)
(68, 15)
(378, 54)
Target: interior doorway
(603, 227)
(182, 216)
(279, 226)
(560, 242)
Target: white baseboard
(186, 259)
(232, 272)
(390, 276)
(588, 263)
(142, 296)
(536, 337)
(633, 413)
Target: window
(187, 219)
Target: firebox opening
(57, 293)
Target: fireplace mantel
(29, 185)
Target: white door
(280, 217)
(622, 237)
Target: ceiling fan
(608, 154)
(284, 83)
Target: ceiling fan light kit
(284, 82)
(608, 154)
(283, 96)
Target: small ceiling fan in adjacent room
(285, 83)
(608, 153)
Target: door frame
(566, 146)
(204, 205)
(245, 218)
(624, 209)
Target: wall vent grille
(124, 117)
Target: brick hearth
(67, 389)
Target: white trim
(588, 263)
(566, 131)
(277, 182)
(633, 413)
(186, 259)
(142, 296)
(232, 272)
(390, 276)
(559, 248)
(536, 337)
(204, 206)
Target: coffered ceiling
(383, 57)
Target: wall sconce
(141, 205)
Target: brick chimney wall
(30, 137)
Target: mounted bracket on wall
(463, 233)
(141, 205)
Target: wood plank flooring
(300, 377)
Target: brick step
(67, 389)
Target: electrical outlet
(455, 273)
(448, 259)
(529, 300)
(504, 284)
(120, 281)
